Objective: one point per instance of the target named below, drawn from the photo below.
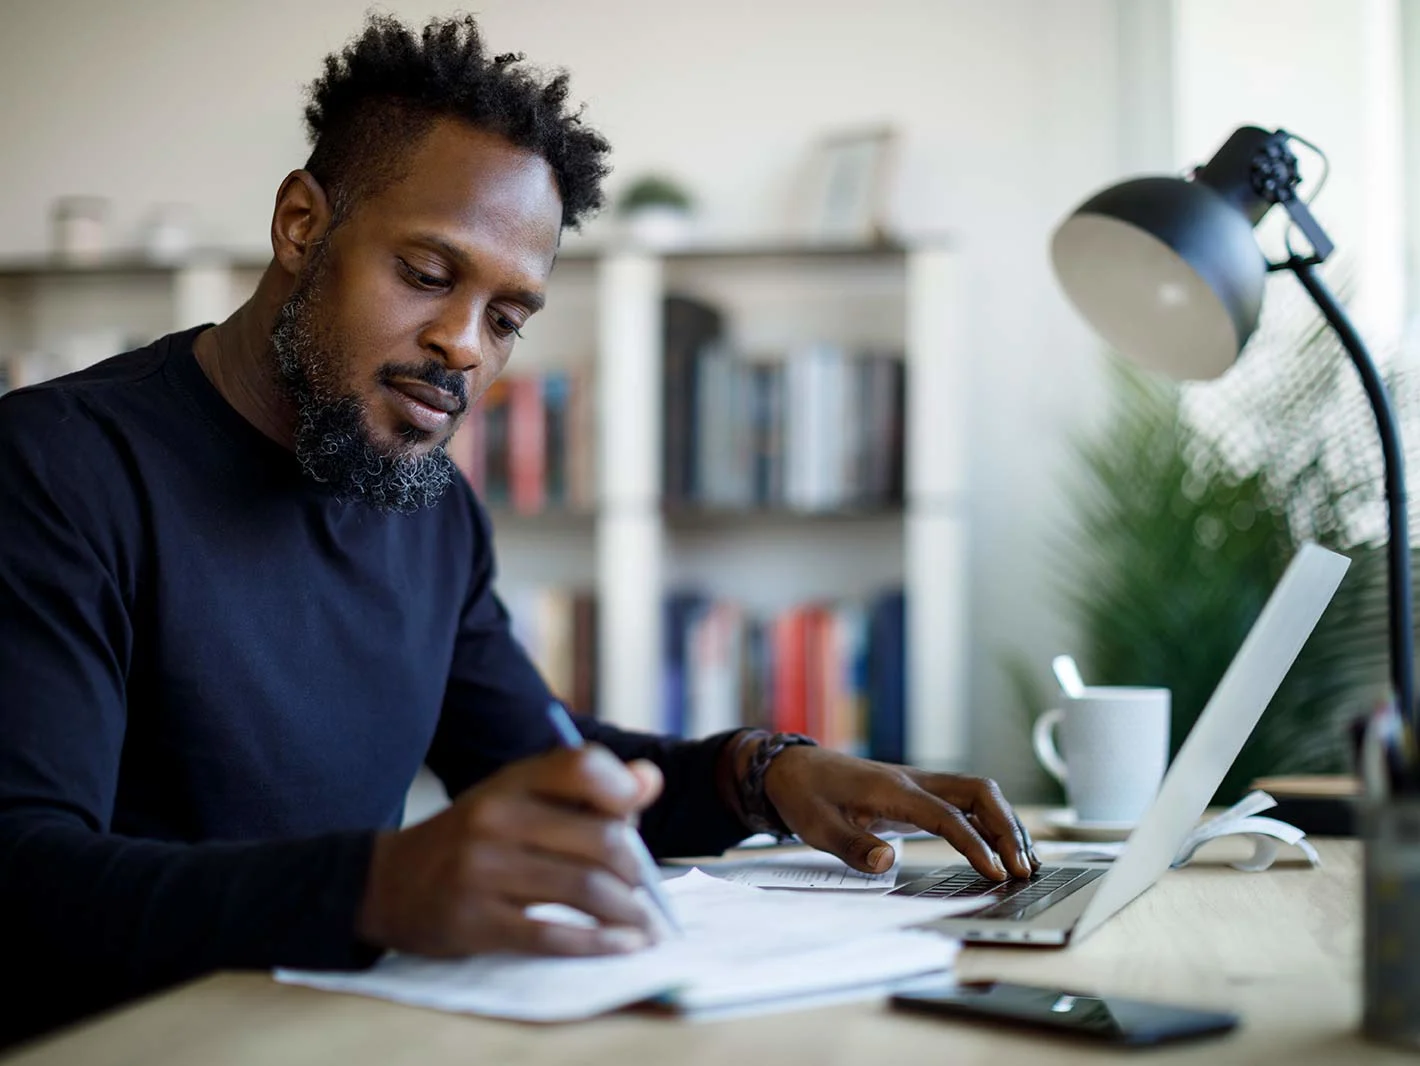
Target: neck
(236, 356)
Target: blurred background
(807, 435)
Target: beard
(333, 442)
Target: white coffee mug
(1113, 748)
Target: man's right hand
(549, 829)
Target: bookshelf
(777, 296)
(631, 547)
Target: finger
(1011, 848)
(830, 831)
(590, 776)
(529, 877)
(936, 815)
(982, 799)
(563, 832)
(518, 932)
(651, 780)
(1030, 844)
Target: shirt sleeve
(495, 712)
(89, 918)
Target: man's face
(409, 310)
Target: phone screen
(1108, 1018)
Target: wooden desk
(1281, 948)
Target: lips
(428, 395)
(422, 406)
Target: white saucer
(1068, 825)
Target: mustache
(430, 373)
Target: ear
(301, 218)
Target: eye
(420, 280)
(504, 326)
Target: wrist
(734, 761)
(371, 926)
(760, 812)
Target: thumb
(857, 847)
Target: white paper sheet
(731, 931)
(866, 965)
(805, 869)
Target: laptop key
(1022, 907)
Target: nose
(455, 338)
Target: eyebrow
(533, 300)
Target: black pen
(650, 872)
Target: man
(243, 596)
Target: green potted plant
(1191, 501)
(656, 212)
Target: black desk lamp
(1167, 270)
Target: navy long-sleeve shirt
(217, 682)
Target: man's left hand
(832, 801)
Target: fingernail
(1000, 869)
(624, 940)
(880, 858)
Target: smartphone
(1112, 1019)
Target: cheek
(484, 375)
(371, 321)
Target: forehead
(478, 191)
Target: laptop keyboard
(1017, 899)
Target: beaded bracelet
(759, 813)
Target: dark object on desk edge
(1318, 805)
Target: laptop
(1062, 904)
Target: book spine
(887, 681)
(584, 653)
(555, 396)
(527, 445)
(689, 328)
(495, 426)
(582, 442)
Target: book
(887, 679)
(556, 399)
(585, 649)
(496, 483)
(581, 447)
(557, 627)
(834, 671)
(527, 445)
(689, 328)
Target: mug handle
(1043, 738)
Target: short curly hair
(387, 87)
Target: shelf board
(683, 516)
(134, 262)
(126, 263)
(763, 250)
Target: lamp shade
(1166, 270)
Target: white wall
(1011, 112)
(1329, 70)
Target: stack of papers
(742, 946)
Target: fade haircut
(381, 94)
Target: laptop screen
(1276, 638)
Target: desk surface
(1281, 948)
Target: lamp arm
(1402, 669)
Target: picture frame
(846, 188)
